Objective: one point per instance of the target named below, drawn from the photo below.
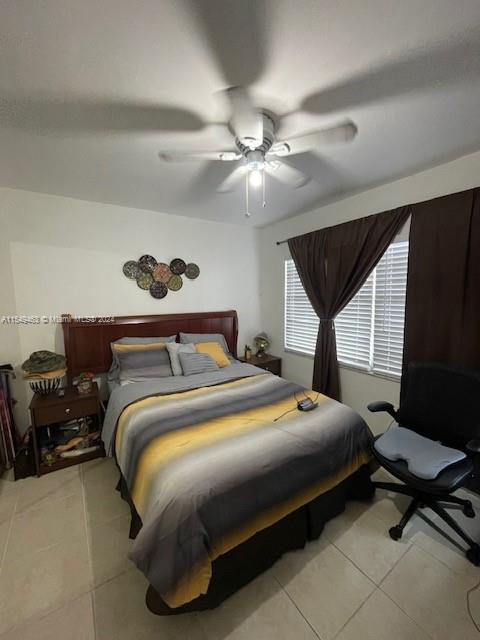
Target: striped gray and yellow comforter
(209, 467)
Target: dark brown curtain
(442, 319)
(333, 264)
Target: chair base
(419, 500)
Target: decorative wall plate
(145, 280)
(175, 283)
(162, 272)
(147, 263)
(131, 269)
(192, 271)
(159, 277)
(178, 266)
(158, 290)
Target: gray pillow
(114, 371)
(174, 349)
(186, 338)
(193, 363)
(153, 358)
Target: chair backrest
(442, 403)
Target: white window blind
(389, 310)
(369, 331)
(301, 321)
(353, 327)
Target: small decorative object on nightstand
(85, 383)
(66, 429)
(262, 342)
(44, 371)
(267, 362)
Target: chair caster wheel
(473, 554)
(468, 510)
(395, 532)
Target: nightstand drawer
(273, 367)
(65, 411)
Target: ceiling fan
(258, 149)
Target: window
(369, 330)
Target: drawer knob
(67, 411)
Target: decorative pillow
(133, 358)
(174, 349)
(215, 351)
(196, 338)
(114, 371)
(193, 363)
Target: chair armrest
(381, 405)
(473, 445)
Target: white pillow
(174, 348)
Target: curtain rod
(281, 242)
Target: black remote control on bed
(307, 405)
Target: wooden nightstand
(267, 362)
(53, 410)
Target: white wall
(357, 388)
(60, 255)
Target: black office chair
(441, 403)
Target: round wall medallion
(145, 280)
(162, 272)
(158, 290)
(147, 263)
(192, 270)
(131, 269)
(175, 283)
(178, 266)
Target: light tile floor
(64, 574)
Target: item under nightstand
(267, 362)
(66, 429)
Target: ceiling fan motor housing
(256, 156)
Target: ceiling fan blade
(179, 156)
(246, 122)
(427, 68)
(315, 140)
(287, 174)
(65, 116)
(236, 32)
(230, 181)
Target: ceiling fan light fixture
(255, 178)
(255, 161)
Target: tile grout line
(38, 617)
(379, 588)
(4, 553)
(417, 624)
(363, 572)
(454, 571)
(396, 603)
(379, 585)
(355, 612)
(89, 551)
(296, 607)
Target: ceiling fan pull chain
(247, 213)
(264, 203)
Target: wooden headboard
(87, 340)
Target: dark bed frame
(87, 348)
(87, 340)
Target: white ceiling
(91, 91)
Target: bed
(222, 473)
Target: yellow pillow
(215, 351)
(143, 346)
